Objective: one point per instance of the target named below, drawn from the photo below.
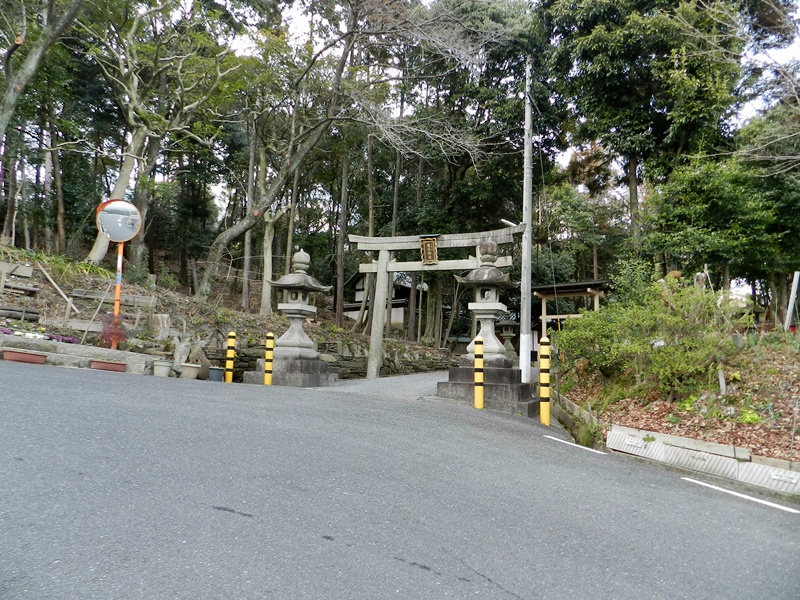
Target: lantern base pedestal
(503, 389)
(294, 372)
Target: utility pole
(525, 338)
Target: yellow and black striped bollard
(269, 350)
(544, 381)
(478, 366)
(230, 355)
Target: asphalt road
(116, 486)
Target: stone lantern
(298, 285)
(487, 281)
(508, 331)
(503, 387)
(296, 361)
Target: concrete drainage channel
(726, 462)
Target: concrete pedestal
(293, 372)
(503, 389)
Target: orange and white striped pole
(117, 296)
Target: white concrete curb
(704, 457)
(729, 462)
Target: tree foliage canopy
(247, 125)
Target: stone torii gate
(428, 245)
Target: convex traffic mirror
(118, 220)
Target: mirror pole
(117, 295)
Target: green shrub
(668, 340)
(136, 275)
(166, 279)
(748, 416)
(222, 316)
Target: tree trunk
(633, 195)
(772, 293)
(150, 237)
(439, 314)
(195, 278)
(61, 229)
(398, 165)
(266, 277)
(23, 195)
(61, 234)
(453, 312)
(411, 334)
(39, 202)
(47, 194)
(420, 173)
(250, 202)
(287, 267)
(369, 284)
(782, 299)
(183, 268)
(143, 199)
(291, 224)
(418, 338)
(340, 241)
(10, 170)
(412, 308)
(3, 166)
(428, 337)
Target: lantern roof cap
(299, 279)
(487, 273)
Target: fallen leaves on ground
(763, 378)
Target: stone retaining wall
(349, 361)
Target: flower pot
(23, 356)
(108, 365)
(162, 368)
(216, 373)
(189, 371)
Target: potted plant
(216, 373)
(189, 370)
(162, 367)
(108, 365)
